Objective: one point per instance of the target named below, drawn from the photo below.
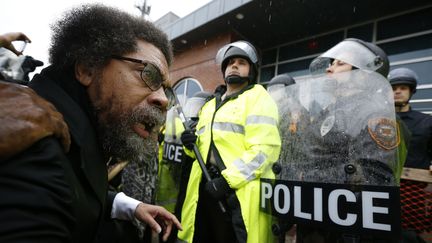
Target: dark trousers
(211, 225)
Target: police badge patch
(327, 125)
(384, 132)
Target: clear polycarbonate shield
(171, 162)
(243, 45)
(338, 156)
(350, 52)
(173, 127)
(331, 124)
(193, 106)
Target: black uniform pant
(211, 225)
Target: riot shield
(338, 156)
(170, 162)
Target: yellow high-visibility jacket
(244, 131)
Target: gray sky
(33, 17)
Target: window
(311, 46)
(422, 94)
(186, 88)
(422, 106)
(422, 69)
(406, 39)
(298, 68)
(363, 32)
(269, 56)
(405, 24)
(408, 48)
(266, 74)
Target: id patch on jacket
(384, 132)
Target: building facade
(290, 33)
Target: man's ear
(83, 74)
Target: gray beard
(121, 142)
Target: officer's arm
(262, 142)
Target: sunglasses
(152, 77)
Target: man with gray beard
(109, 80)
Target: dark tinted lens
(151, 76)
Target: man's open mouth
(146, 129)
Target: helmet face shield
(193, 106)
(350, 52)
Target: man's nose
(234, 65)
(158, 98)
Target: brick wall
(198, 61)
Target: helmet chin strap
(235, 79)
(401, 104)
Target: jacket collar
(71, 100)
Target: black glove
(217, 188)
(192, 123)
(161, 137)
(188, 138)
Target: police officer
(361, 150)
(404, 82)
(239, 140)
(351, 59)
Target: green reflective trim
(254, 119)
(229, 127)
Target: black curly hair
(92, 33)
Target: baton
(196, 151)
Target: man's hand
(26, 118)
(6, 40)
(158, 218)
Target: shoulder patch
(384, 132)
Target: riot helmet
(359, 54)
(404, 76)
(241, 49)
(194, 104)
(279, 82)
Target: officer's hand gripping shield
(339, 137)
